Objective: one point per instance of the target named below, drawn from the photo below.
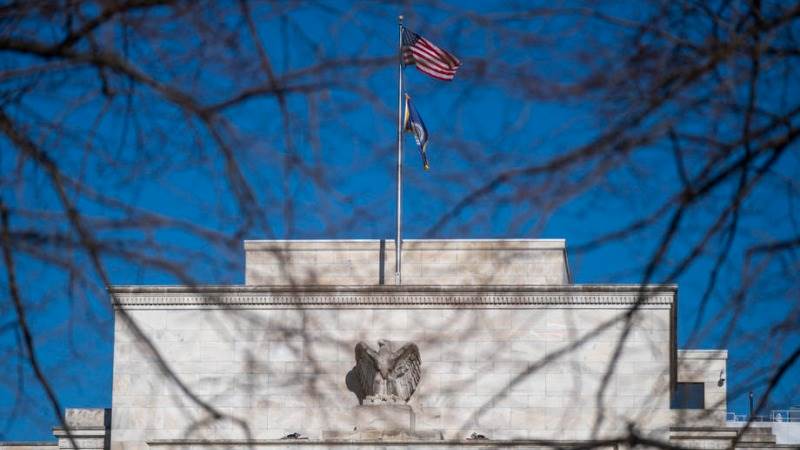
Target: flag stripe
(423, 53)
(450, 59)
(435, 74)
(427, 69)
(421, 48)
(426, 60)
(422, 60)
(421, 65)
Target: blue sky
(488, 120)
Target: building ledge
(385, 296)
(702, 354)
(406, 288)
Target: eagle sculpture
(387, 374)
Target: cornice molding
(235, 297)
(390, 289)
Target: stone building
(488, 343)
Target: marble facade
(511, 349)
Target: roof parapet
(433, 262)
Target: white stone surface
(710, 368)
(88, 428)
(425, 262)
(518, 363)
(85, 417)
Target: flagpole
(398, 245)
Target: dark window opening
(688, 396)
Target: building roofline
(412, 240)
(702, 353)
(403, 289)
(226, 297)
(408, 244)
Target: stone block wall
(710, 368)
(510, 363)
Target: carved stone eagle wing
(365, 366)
(406, 372)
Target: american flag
(429, 59)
